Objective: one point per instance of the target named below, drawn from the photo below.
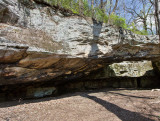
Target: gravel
(99, 105)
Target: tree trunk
(92, 5)
(80, 6)
(110, 7)
(114, 9)
(145, 24)
(157, 13)
(101, 4)
(156, 24)
(151, 25)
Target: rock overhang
(42, 47)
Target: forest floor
(99, 105)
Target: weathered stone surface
(10, 53)
(132, 69)
(45, 44)
(6, 14)
(124, 69)
(74, 35)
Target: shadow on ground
(36, 100)
(123, 114)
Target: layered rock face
(40, 43)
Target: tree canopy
(139, 16)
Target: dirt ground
(99, 105)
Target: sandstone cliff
(41, 43)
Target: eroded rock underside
(43, 49)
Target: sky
(137, 7)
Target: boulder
(128, 69)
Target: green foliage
(118, 21)
(87, 9)
(67, 4)
(134, 29)
(100, 15)
(95, 12)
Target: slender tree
(115, 6)
(157, 14)
(80, 2)
(143, 14)
(92, 7)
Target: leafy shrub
(100, 15)
(134, 29)
(97, 13)
(118, 21)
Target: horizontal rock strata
(39, 43)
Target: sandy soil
(100, 105)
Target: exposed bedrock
(39, 43)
